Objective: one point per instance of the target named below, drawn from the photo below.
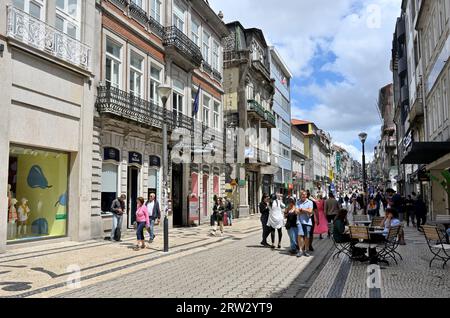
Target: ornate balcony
(37, 34)
(138, 13)
(156, 27)
(207, 68)
(235, 58)
(263, 69)
(121, 3)
(271, 121)
(217, 76)
(256, 110)
(182, 49)
(125, 106)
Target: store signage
(407, 141)
(155, 161)
(135, 158)
(111, 154)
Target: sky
(339, 53)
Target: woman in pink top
(142, 220)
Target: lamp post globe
(164, 92)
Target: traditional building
(146, 44)
(48, 96)
(248, 108)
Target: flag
(196, 102)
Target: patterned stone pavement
(411, 278)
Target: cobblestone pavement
(411, 278)
(242, 269)
(46, 269)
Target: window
(136, 63)
(215, 56)
(206, 106)
(68, 17)
(194, 95)
(138, 3)
(177, 103)
(109, 185)
(156, 10)
(195, 33)
(155, 81)
(36, 8)
(285, 152)
(113, 64)
(216, 115)
(38, 194)
(178, 17)
(205, 48)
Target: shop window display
(37, 194)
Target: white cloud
(359, 33)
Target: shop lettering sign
(135, 158)
(111, 154)
(155, 161)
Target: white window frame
(153, 80)
(137, 72)
(207, 45)
(215, 55)
(216, 114)
(156, 9)
(179, 15)
(139, 3)
(40, 3)
(195, 37)
(69, 19)
(116, 61)
(206, 109)
(176, 95)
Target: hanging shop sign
(111, 154)
(135, 158)
(155, 161)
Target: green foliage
(444, 183)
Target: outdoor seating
(361, 233)
(361, 220)
(342, 248)
(389, 249)
(436, 243)
(377, 222)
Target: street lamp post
(303, 175)
(363, 138)
(164, 92)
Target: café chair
(389, 247)
(436, 243)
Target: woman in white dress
(276, 219)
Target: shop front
(38, 182)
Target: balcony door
(179, 17)
(35, 8)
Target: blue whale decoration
(36, 178)
(62, 200)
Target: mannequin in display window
(12, 219)
(24, 212)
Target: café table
(366, 223)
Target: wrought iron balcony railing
(183, 44)
(243, 56)
(207, 68)
(138, 13)
(36, 33)
(254, 106)
(271, 119)
(217, 75)
(156, 27)
(121, 3)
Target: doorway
(177, 194)
(252, 192)
(132, 194)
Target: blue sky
(339, 52)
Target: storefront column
(5, 104)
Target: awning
(426, 152)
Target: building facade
(281, 135)
(249, 116)
(299, 160)
(146, 44)
(47, 63)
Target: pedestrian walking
(142, 222)
(313, 220)
(304, 222)
(218, 211)
(229, 211)
(410, 211)
(321, 222)
(372, 209)
(117, 209)
(290, 214)
(154, 213)
(421, 212)
(276, 219)
(331, 209)
(264, 210)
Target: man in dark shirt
(117, 209)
